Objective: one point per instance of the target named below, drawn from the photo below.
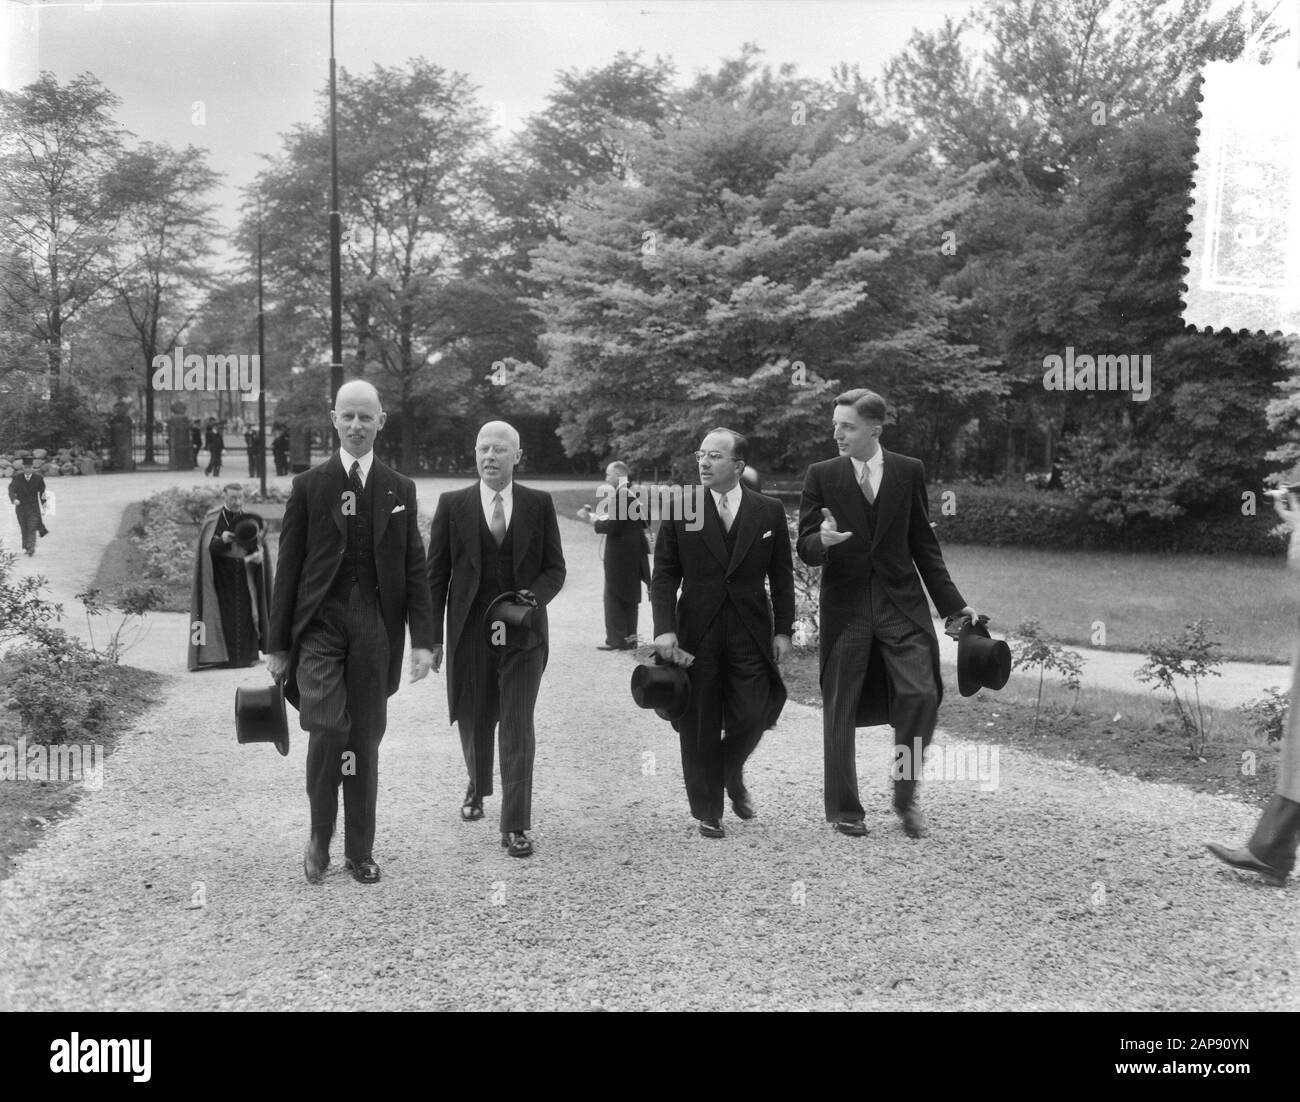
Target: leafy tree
(59, 148)
(165, 234)
(763, 249)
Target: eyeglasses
(713, 456)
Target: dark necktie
(865, 484)
(498, 520)
(355, 480)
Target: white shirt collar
(732, 496)
(486, 493)
(366, 461)
(876, 464)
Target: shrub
(22, 608)
(1032, 648)
(807, 593)
(1023, 516)
(1267, 714)
(56, 686)
(1187, 657)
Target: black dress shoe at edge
(364, 871)
(854, 829)
(711, 828)
(1244, 859)
(517, 844)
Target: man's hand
(421, 663)
(780, 648)
(666, 647)
(278, 664)
(830, 533)
(435, 657)
(953, 624)
(526, 596)
(256, 556)
(227, 537)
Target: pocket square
(398, 509)
(768, 534)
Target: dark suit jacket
(313, 541)
(627, 550)
(26, 491)
(903, 544)
(698, 563)
(456, 568)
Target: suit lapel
(713, 529)
(467, 516)
(382, 499)
(521, 523)
(854, 505)
(336, 480)
(749, 522)
(889, 498)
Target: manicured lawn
(1252, 601)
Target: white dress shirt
(507, 500)
(875, 468)
(366, 461)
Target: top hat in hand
(982, 661)
(664, 687)
(260, 716)
(512, 613)
(247, 531)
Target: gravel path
(179, 885)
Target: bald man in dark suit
(351, 578)
(491, 538)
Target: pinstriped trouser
(502, 690)
(343, 682)
(913, 700)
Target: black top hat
(982, 661)
(665, 688)
(260, 716)
(515, 614)
(247, 530)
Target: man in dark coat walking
(864, 518)
(626, 555)
(493, 538)
(712, 615)
(27, 496)
(350, 580)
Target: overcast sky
(257, 66)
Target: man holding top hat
(351, 579)
(864, 518)
(27, 496)
(231, 588)
(495, 563)
(713, 617)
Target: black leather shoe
(1244, 859)
(472, 808)
(854, 829)
(315, 860)
(711, 828)
(913, 821)
(517, 844)
(364, 871)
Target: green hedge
(1028, 517)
